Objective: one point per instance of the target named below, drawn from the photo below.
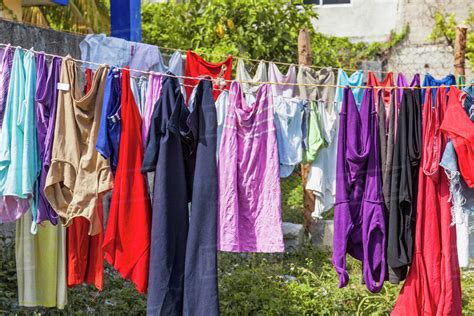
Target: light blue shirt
(19, 157)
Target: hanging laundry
(108, 139)
(322, 136)
(359, 223)
(431, 81)
(221, 108)
(182, 150)
(403, 82)
(462, 199)
(19, 156)
(287, 83)
(387, 134)
(78, 174)
(139, 88)
(168, 150)
(5, 71)
(127, 237)
(249, 182)
(433, 282)
(41, 257)
(40, 264)
(288, 120)
(152, 95)
(356, 80)
(196, 66)
(250, 84)
(469, 101)
(384, 85)
(460, 129)
(89, 76)
(102, 49)
(46, 101)
(404, 186)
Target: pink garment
(152, 95)
(249, 181)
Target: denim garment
(139, 88)
(462, 199)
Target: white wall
(368, 20)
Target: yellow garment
(41, 264)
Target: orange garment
(127, 236)
(197, 67)
(460, 130)
(433, 284)
(85, 257)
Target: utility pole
(305, 57)
(460, 50)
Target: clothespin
(220, 81)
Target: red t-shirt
(198, 67)
(127, 236)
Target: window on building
(327, 2)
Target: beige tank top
(78, 174)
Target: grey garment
(106, 206)
(387, 143)
(462, 199)
(324, 76)
(139, 86)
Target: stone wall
(49, 41)
(417, 53)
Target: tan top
(78, 174)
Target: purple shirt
(359, 224)
(46, 101)
(152, 95)
(5, 70)
(249, 217)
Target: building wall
(362, 20)
(417, 53)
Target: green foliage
(253, 29)
(445, 29)
(267, 29)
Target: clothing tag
(63, 86)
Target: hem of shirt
(269, 248)
(42, 304)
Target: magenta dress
(249, 218)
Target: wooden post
(460, 50)
(305, 57)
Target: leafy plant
(445, 30)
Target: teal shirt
(19, 156)
(356, 79)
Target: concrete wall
(417, 53)
(367, 20)
(50, 41)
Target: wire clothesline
(225, 80)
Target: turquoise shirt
(19, 156)
(356, 79)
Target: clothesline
(254, 60)
(229, 81)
